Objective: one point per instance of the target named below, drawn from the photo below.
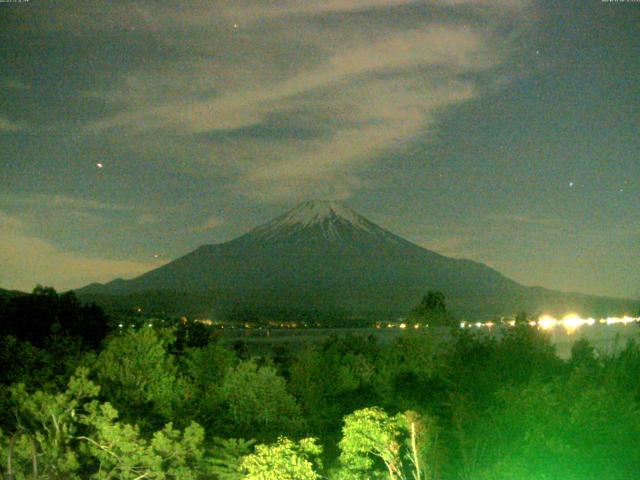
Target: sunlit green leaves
(78, 437)
(377, 445)
(283, 460)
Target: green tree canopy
(78, 437)
(568, 428)
(374, 442)
(140, 378)
(257, 402)
(284, 460)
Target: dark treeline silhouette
(167, 400)
(432, 310)
(45, 313)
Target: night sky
(502, 131)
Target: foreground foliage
(79, 437)
(155, 403)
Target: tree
(79, 437)
(122, 453)
(44, 313)
(226, 460)
(583, 355)
(140, 378)
(334, 379)
(434, 301)
(400, 444)
(572, 428)
(522, 318)
(432, 310)
(204, 370)
(284, 460)
(190, 333)
(409, 372)
(257, 402)
(52, 420)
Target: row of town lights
(569, 322)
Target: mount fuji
(322, 258)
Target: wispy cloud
(26, 260)
(147, 219)
(59, 201)
(93, 16)
(285, 99)
(453, 245)
(14, 85)
(8, 125)
(209, 224)
(526, 219)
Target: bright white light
(572, 322)
(546, 322)
(624, 320)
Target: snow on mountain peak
(324, 213)
(316, 211)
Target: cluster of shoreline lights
(570, 322)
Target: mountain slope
(324, 257)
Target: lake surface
(604, 338)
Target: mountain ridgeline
(323, 260)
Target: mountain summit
(318, 221)
(318, 211)
(323, 258)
